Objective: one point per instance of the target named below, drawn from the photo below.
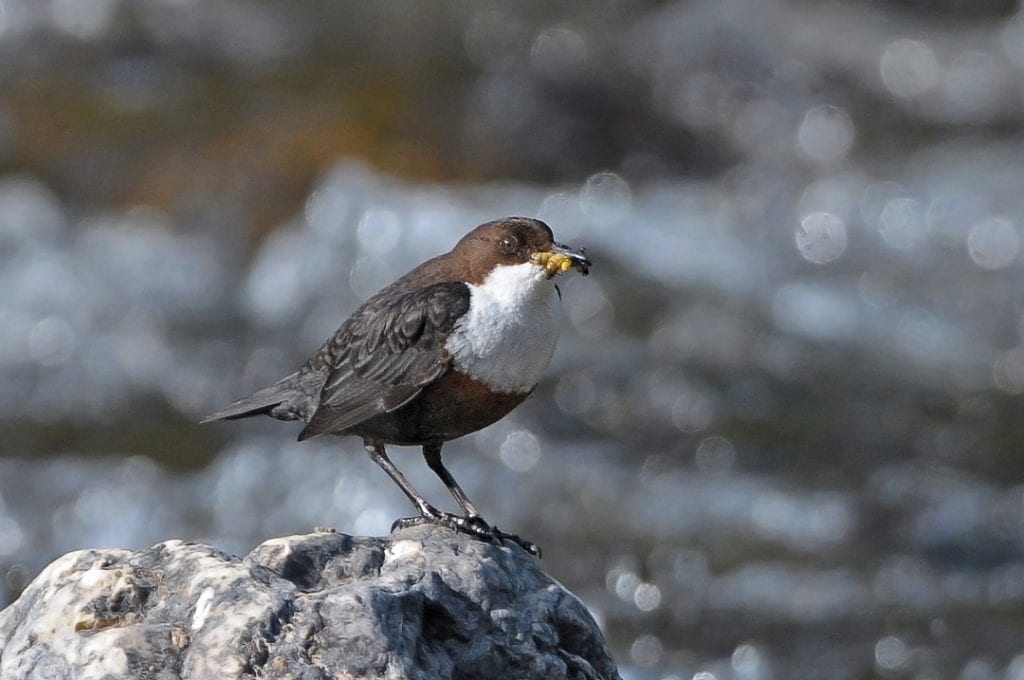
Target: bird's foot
(528, 546)
(474, 525)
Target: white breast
(508, 336)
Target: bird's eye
(508, 244)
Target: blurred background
(781, 437)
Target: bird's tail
(262, 401)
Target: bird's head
(512, 241)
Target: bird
(447, 349)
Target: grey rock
(422, 603)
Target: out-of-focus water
(781, 434)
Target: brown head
(517, 240)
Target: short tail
(261, 402)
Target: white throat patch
(508, 336)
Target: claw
(528, 546)
(474, 525)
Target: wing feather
(387, 353)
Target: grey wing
(386, 356)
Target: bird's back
(298, 395)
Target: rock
(422, 603)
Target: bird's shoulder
(385, 354)
(419, 317)
(394, 337)
(431, 285)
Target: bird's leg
(427, 511)
(432, 454)
(379, 457)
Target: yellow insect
(554, 263)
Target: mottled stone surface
(422, 603)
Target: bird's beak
(561, 259)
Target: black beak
(578, 257)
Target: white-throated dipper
(448, 349)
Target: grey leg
(379, 457)
(472, 521)
(473, 525)
(432, 453)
